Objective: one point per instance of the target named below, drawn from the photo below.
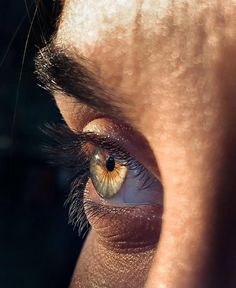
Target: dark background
(37, 246)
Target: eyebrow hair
(57, 71)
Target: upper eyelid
(63, 139)
(66, 142)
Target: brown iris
(107, 173)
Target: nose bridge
(197, 244)
(223, 237)
(224, 234)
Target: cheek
(120, 247)
(100, 266)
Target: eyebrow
(58, 72)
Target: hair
(47, 18)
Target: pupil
(110, 163)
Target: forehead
(90, 21)
(159, 56)
(109, 34)
(125, 40)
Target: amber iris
(107, 173)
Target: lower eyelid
(136, 227)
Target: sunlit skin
(171, 67)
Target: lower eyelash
(74, 201)
(65, 150)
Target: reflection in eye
(117, 177)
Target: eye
(110, 189)
(123, 181)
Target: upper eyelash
(68, 150)
(63, 139)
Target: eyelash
(67, 149)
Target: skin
(172, 67)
